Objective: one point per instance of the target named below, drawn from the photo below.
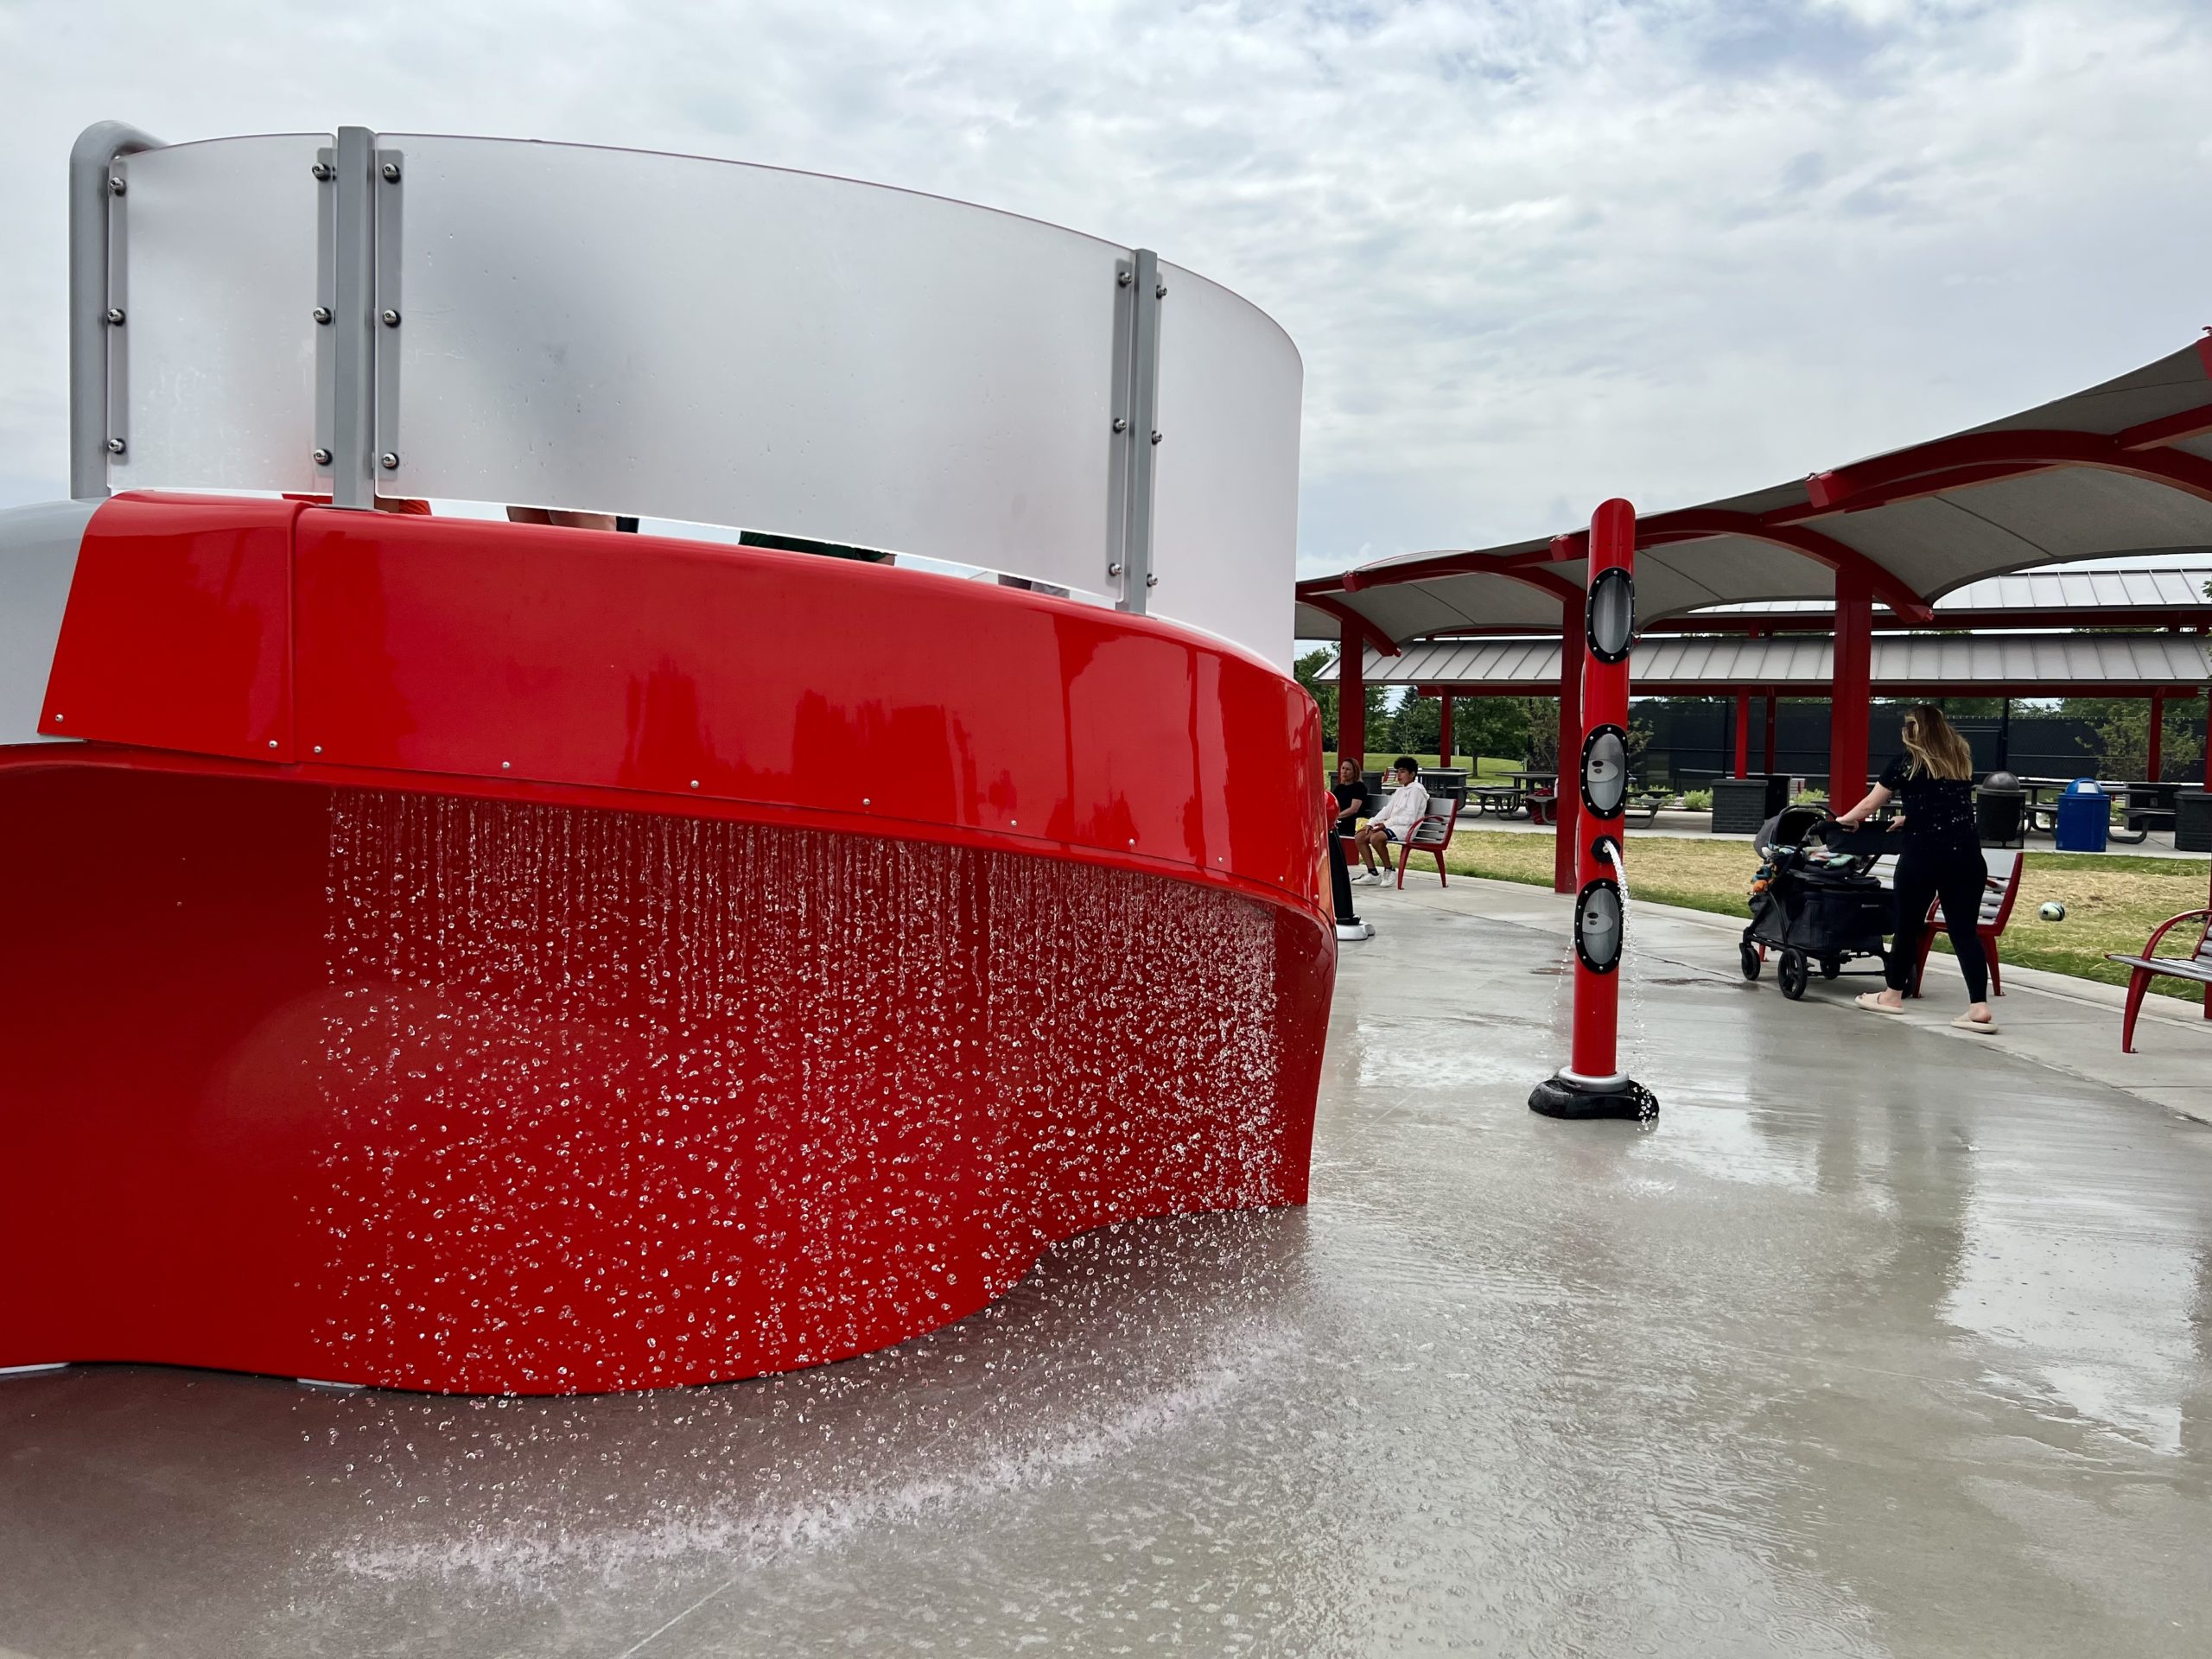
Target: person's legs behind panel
(1960, 882)
(1913, 890)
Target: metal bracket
(326, 311)
(97, 371)
(118, 305)
(389, 317)
(1134, 433)
(352, 326)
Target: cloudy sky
(1534, 251)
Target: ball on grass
(2052, 910)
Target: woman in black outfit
(1354, 801)
(1939, 857)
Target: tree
(1417, 727)
(1308, 669)
(1324, 692)
(2123, 729)
(1498, 727)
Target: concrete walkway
(1881, 1340)
(2052, 1020)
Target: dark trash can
(1740, 805)
(2084, 817)
(2193, 821)
(2000, 808)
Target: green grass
(2112, 901)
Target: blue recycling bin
(2084, 817)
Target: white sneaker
(1364, 879)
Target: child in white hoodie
(1405, 808)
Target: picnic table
(2040, 812)
(1500, 800)
(2147, 805)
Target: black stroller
(1815, 899)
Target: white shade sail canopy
(2122, 470)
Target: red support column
(1852, 692)
(1571, 652)
(2155, 762)
(1592, 1084)
(1773, 707)
(1742, 734)
(1352, 697)
(1443, 727)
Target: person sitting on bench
(1405, 808)
(1354, 799)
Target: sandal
(1871, 1000)
(1980, 1027)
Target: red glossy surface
(479, 1050)
(1604, 702)
(893, 698)
(177, 634)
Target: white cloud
(1533, 252)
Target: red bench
(1432, 835)
(2197, 965)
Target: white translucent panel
(217, 266)
(1226, 523)
(727, 344)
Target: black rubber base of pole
(1562, 1097)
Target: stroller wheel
(1793, 972)
(1751, 959)
(1831, 966)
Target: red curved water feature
(467, 956)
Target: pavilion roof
(2122, 470)
(1928, 664)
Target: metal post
(1773, 713)
(1444, 729)
(1566, 800)
(1592, 1085)
(2005, 735)
(1351, 696)
(1742, 715)
(1136, 431)
(354, 323)
(92, 196)
(1852, 693)
(2155, 761)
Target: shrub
(1697, 800)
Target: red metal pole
(1444, 729)
(2156, 761)
(1604, 702)
(1742, 734)
(1571, 653)
(1851, 694)
(1773, 707)
(1352, 697)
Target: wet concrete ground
(1881, 1340)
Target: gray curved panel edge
(90, 159)
(38, 561)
